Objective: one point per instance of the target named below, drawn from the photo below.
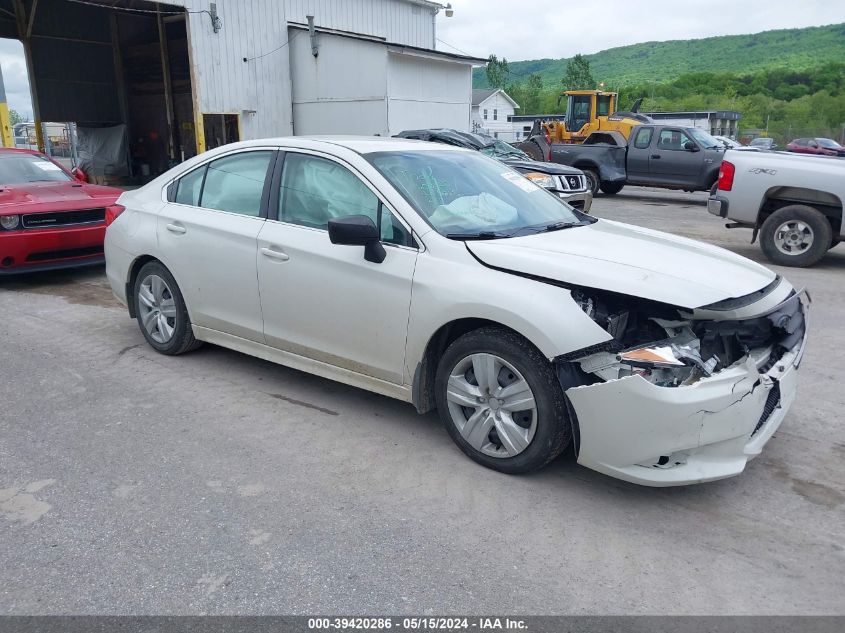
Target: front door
(325, 301)
(209, 231)
(672, 162)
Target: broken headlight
(649, 339)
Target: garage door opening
(120, 72)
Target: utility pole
(6, 134)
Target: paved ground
(217, 483)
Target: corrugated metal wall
(257, 30)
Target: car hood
(543, 168)
(630, 260)
(53, 196)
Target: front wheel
(796, 235)
(593, 182)
(501, 402)
(611, 188)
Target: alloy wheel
(793, 237)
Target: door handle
(655, 155)
(176, 228)
(274, 254)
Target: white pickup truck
(793, 202)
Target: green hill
(792, 49)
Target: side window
(643, 138)
(495, 114)
(188, 187)
(315, 190)
(485, 114)
(672, 140)
(235, 183)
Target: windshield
(828, 143)
(704, 139)
(465, 194)
(19, 168)
(500, 149)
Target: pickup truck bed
(793, 201)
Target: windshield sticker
(520, 181)
(46, 165)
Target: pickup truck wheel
(593, 181)
(611, 188)
(796, 235)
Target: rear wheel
(161, 311)
(501, 402)
(611, 188)
(593, 181)
(796, 235)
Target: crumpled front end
(680, 397)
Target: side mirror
(690, 146)
(358, 230)
(80, 175)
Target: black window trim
(276, 186)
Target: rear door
(207, 236)
(639, 152)
(671, 163)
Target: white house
(491, 109)
(187, 75)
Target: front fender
(445, 291)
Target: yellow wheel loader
(590, 111)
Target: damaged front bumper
(654, 435)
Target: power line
(295, 35)
(116, 8)
(455, 47)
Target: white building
(716, 122)
(491, 109)
(193, 74)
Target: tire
(533, 150)
(611, 188)
(533, 437)
(159, 303)
(593, 181)
(795, 235)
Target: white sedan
(440, 277)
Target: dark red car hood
(35, 197)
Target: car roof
(357, 144)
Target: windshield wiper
(481, 235)
(559, 226)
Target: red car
(819, 146)
(49, 217)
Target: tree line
(787, 102)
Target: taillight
(726, 175)
(113, 211)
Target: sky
(538, 29)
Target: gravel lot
(218, 483)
